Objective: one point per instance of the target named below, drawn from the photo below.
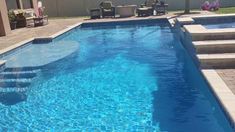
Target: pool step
(21, 69)
(10, 84)
(12, 89)
(226, 60)
(19, 74)
(214, 46)
(17, 79)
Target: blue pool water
(220, 25)
(121, 78)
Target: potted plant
(12, 19)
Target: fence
(81, 7)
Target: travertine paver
(228, 75)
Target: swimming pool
(121, 77)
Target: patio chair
(41, 18)
(107, 9)
(26, 17)
(150, 4)
(23, 17)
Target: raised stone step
(226, 60)
(200, 33)
(215, 46)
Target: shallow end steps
(17, 75)
(6, 84)
(21, 69)
(217, 60)
(214, 46)
(13, 89)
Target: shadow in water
(12, 98)
(174, 96)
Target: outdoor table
(126, 10)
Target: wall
(11, 4)
(26, 4)
(81, 7)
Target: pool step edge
(226, 60)
(17, 75)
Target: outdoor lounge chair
(150, 4)
(23, 17)
(40, 19)
(107, 9)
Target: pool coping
(218, 86)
